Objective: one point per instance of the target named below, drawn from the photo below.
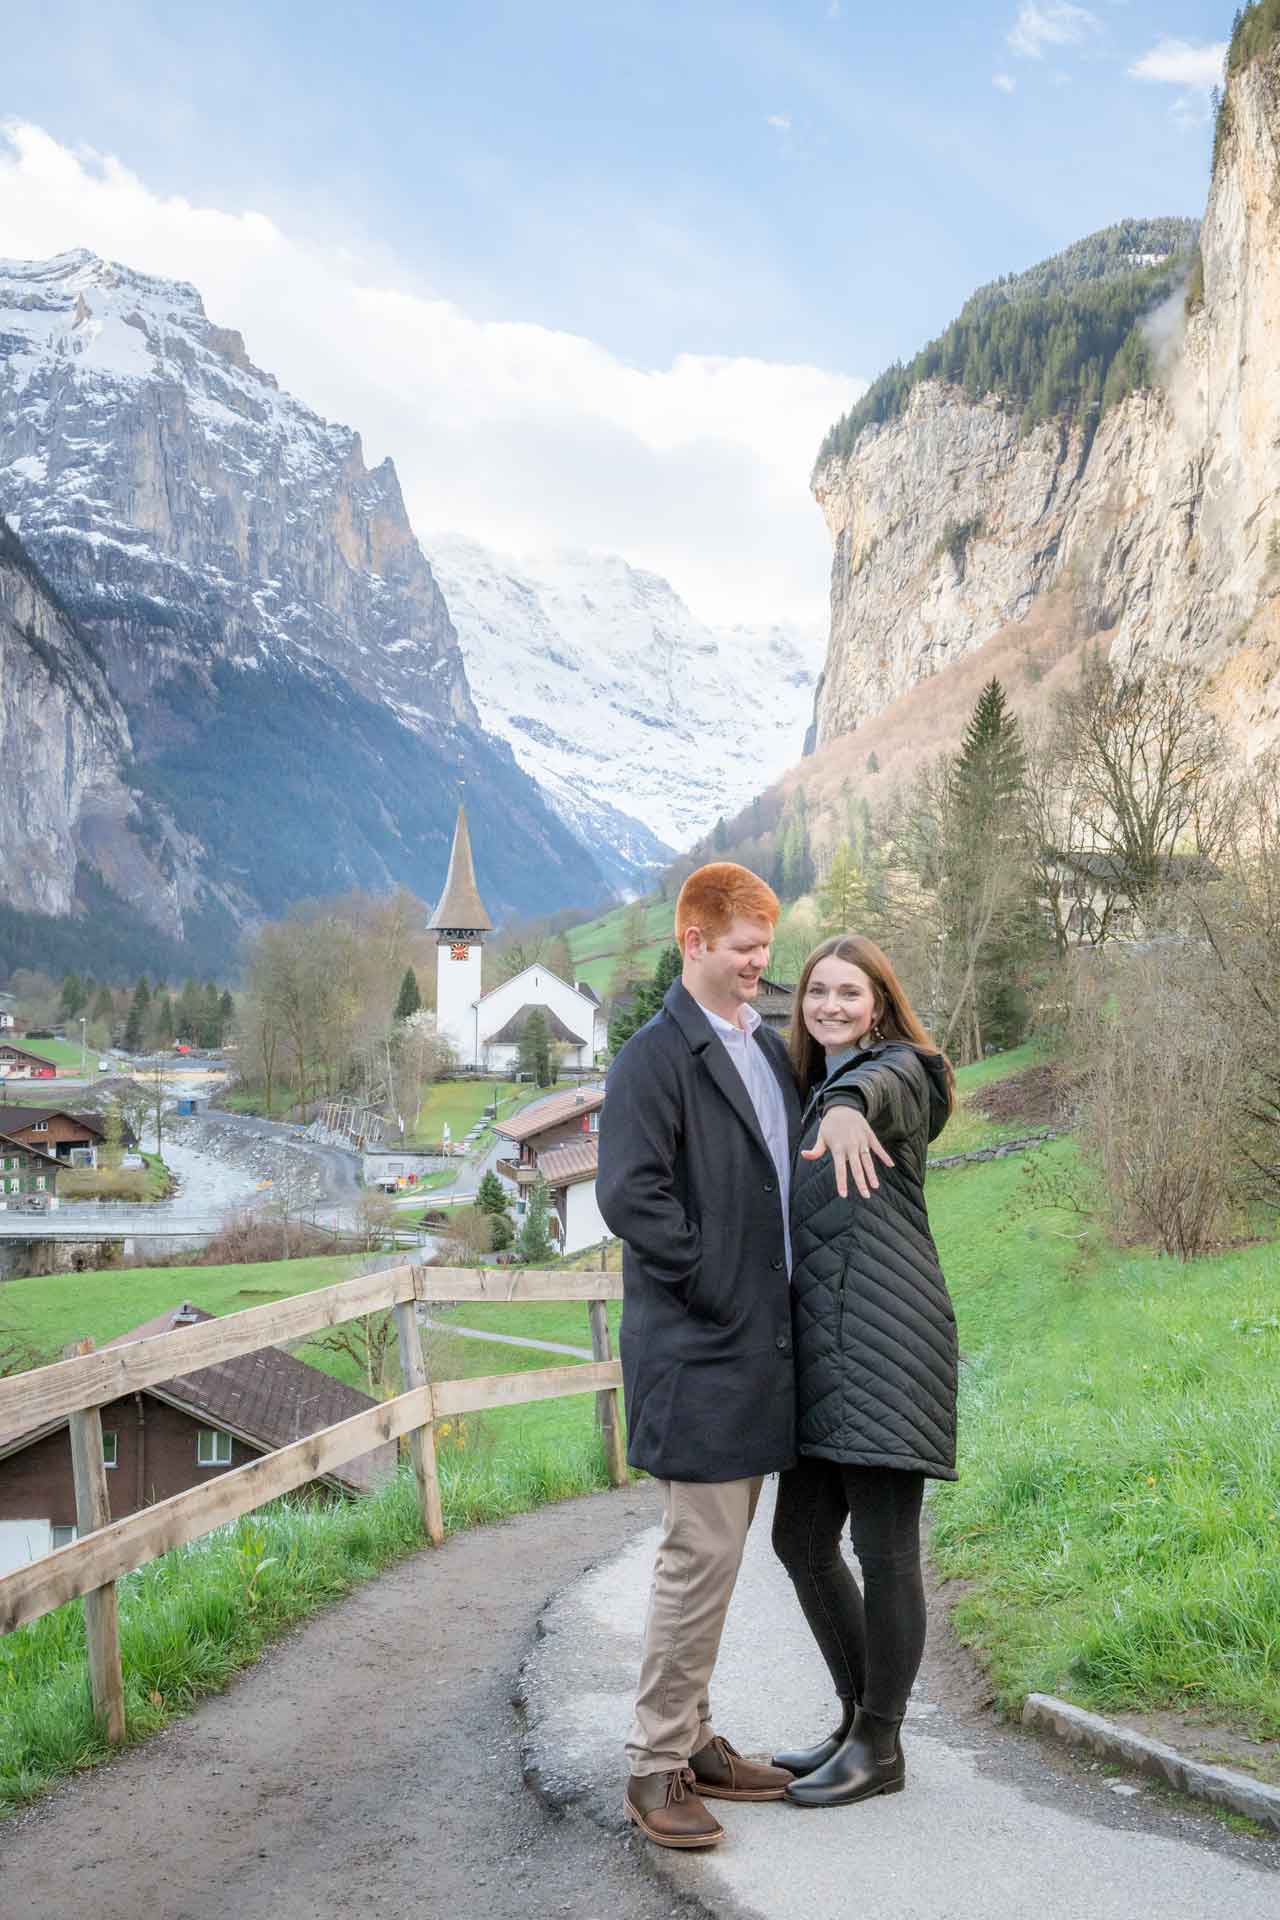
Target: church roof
(556, 1028)
(460, 905)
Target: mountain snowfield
(642, 724)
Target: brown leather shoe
(721, 1773)
(668, 1811)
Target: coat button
(782, 1343)
(777, 1265)
(769, 1187)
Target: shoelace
(681, 1785)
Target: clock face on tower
(458, 951)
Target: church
(484, 1029)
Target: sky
(600, 275)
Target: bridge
(107, 1223)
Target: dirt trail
(370, 1765)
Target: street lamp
(82, 1062)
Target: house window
(108, 1449)
(15, 1186)
(63, 1536)
(39, 1183)
(40, 1126)
(213, 1449)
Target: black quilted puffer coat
(875, 1335)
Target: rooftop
(551, 1113)
(460, 907)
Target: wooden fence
(75, 1388)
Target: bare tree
(1148, 766)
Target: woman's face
(839, 1004)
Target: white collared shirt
(765, 1095)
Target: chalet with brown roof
(17, 1064)
(559, 1139)
(71, 1138)
(176, 1435)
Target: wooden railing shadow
(74, 1389)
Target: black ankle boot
(867, 1762)
(809, 1759)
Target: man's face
(726, 975)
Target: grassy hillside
(595, 947)
(1115, 1519)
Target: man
(696, 1141)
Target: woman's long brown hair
(896, 1018)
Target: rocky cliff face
(289, 687)
(62, 737)
(949, 524)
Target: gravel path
(369, 1766)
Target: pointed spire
(460, 908)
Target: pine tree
(410, 1000)
(135, 1026)
(535, 1048)
(991, 914)
(534, 1241)
(112, 1137)
(646, 1000)
(73, 995)
(842, 896)
(491, 1195)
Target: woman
(875, 1349)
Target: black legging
(872, 1641)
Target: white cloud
(1004, 82)
(782, 121)
(834, 10)
(1179, 63)
(515, 434)
(1056, 23)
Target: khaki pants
(705, 1527)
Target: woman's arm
(889, 1089)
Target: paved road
(994, 1825)
(369, 1766)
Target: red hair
(714, 897)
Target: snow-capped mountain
(643, 724)
(295, 697)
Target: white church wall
(538, 986)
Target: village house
(773, 1002)
(25, 1171)
(177, 1435)
(559, 1139)
(17, 1064)
(74, 1139)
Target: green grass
(969, 1129)
(595, 946)
(462, 1104)
(55, 1308)
(1119, 1502)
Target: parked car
(31, 1203)
(104, 1066)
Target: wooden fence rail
(73, 1389)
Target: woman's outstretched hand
(854, 1149)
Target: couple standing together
(784, 1312)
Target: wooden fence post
(101, 1617)
(607, 1413)
(422, 1440)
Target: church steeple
(460, 910)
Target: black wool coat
(688, 1184)
(874, 1328)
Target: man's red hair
(715, 896)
